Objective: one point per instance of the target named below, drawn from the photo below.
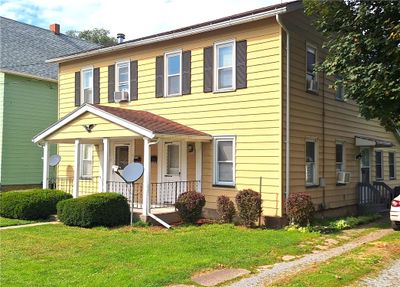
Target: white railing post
(199, 164)
(77, 161)
(45, 180)
(106, 148)
(146, 177)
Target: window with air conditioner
(87, 86)
(311, 75)
(339, 157)
(311, 163)
(122, 82)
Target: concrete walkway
(29, 225)
(268, 275)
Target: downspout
(287, 137)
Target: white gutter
(287, 137)
(189, 32)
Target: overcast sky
(134, 18)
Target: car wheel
(396, 225)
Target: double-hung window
(122, 76)
(224, 160)
(392, 166)
(311, 76)
(87, 86)
(86, 161)
(225, 64)
(173, 68)
(339, 157)
(311, 162)
(379, 165)
(339, 92)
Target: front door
(172, 162)
(120, 155)
(365, 165)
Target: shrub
(190, 205)
(300, 209)
(100, 209)
(30, 204)
(225, 208)
(249, 206)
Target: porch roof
(143, 123)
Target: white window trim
(179, 52)
(315, 175)
(117, 75)
(343, 155)
(81, 175)
(215, 68)
(90, 68)
(216, 139)
(394, 165)
(382, 166)
(309, 45)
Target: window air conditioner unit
(312, 84)
(121, 97)
(343, 177)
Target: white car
(395, 213)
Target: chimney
(120, 38)
(55, 28)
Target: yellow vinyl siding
(252, 114)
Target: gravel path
(268, 275)
(389, 277)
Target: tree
(96, 35)
(363, 43)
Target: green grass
(350, 267)
(10, 222)
(58, 255)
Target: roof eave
(31, 76)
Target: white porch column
(199, 164)
(105, 170)
(75, 191)
(146, 177)
(45, 165)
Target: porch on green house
(103, 137)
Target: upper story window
(86, 161)
(339, 157)
(311, 75)
(379, 165)
(87, 86)
(392, 166)
(339, 91)
(311, 162)
(224, 160)
(173, 68)
(225, 63)
(122, 77)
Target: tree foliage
(96, 35)
(363, 43)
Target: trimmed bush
(249, 205)
(31, 204)
(190, 205)
(300, 209)
(100, 209)
(225, 209)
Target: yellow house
(217, 107)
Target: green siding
(30, 106)
(1, 119)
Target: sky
(133, 18)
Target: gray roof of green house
(25, 48)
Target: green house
(28, 96)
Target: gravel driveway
(389, 277)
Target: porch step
(169, 217)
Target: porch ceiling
(93, 122)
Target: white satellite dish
(54, 160)
(132, 172)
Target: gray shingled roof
(25, 48)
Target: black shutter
(133, 93)
(77, 89)
(208, 69)
(241, 64)
(160, 77)
(186, 72)
(111, 83)
(96, 85)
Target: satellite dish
(54, 160)
(132, 172)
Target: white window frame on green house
(311, 163)
(311, 75)
(217, 68)
(167, 57)
(340, 164)
(118, 83)
(87, 85)
(86, 161)
(379, 165)
(392, 165)
(218, 162)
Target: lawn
(57, 255)
(10, 222)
